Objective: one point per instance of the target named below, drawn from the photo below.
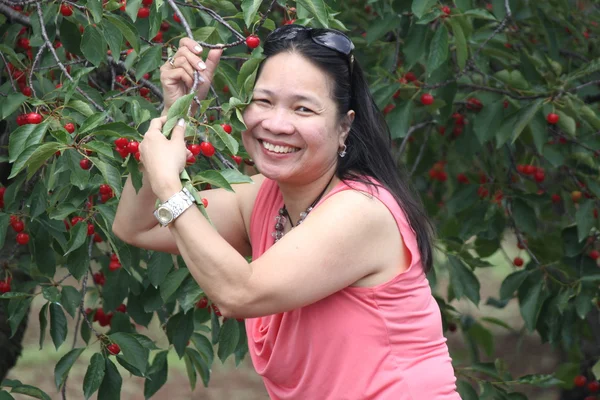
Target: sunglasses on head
(330, 38)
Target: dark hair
(369, 141)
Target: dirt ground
(36, 366)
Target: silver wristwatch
(168, 211)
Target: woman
(336, 301)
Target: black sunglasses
(330, 38)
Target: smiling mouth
(278, 148)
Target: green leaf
(525, 115)
(4, 223)
(78, 236)
(480, 13)
(415, 44)
(438, 50)
(379, 27)
(43, 323)
(566, 123)
(93, 45)
(172, 282)
(317, 9)
(23, 137)
(200, 365)
(524, 217)
(422, 7)
(462, 51)
(94, 375)
(113, 36)
(62, 368)
(14, 295)
(133, 352)
(234, 176)
(39, 157)
(78, 261)
(92, 122)
(111, 175)
(17, 309)
(110, 389)
(464, 282)
(51, 294)
(584, 219)
(159, 265)
(466, 391)
(31, 391)
(204, 346)
(150, 60)
(250, 8)
(214, 178)
(512, 283)
(399, 120)
(99, 147)
(58, 325)
(11, 104)
(157, 375)
(596, 370)
(531, 299)
(229, 335)
(487, 121)
(127, 29)
(190, 370)
(4, 395)
(230, 142)
(179, 330)
(70, 298)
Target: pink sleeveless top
(383, 342)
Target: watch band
(175, 205)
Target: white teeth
(278, 148)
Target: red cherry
(70, 127)
(144, 91)
(539, 175)
(556, 198)
(252, 41)
(462, 178)
(529, 169)
(147, 2)
(518, 261)
(122, 308)
(105, 189)
(121, 142)
(34, 118)
(27, 91)
(227, 128)
(158, 38)
(164, 26)
(66, 10)
(114, 257)
(18, 226)
(216, 310)
(446, 10)
(521, 245)
(85, 164)
(202, 303)
(410, 76)
(24, 43)
(97, 238)
(237, 159)
(113, 349)
(4, 287)
(176, 18)
(99, 315)
(123, 151)
(194, 148)
(133, 147)
(191, 159)
(114, 265)
(482, 192)
(137, 156)
(426, 99)
(594, 386)
(99, 278)
(207, 149)
(143, 12)
(580, 381)
(388, 108)
(225, 90)
(90, 229)
(594, 254)
(552, 118)
(22, 238)
(205, 202)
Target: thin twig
(9, 73)
(422, 150)
(35, 61)
(215, 16)
(14, 16)
(264, 17)
(411, 130)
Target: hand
(164, 159)
(177, 80)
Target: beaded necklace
(283, 213)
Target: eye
(304, 109)
(264, 101)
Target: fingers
(175, 76)
(178, 132)
(157, 123)
(194, 60)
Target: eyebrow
(308, 98)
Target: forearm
(220, 270)
(135, 210)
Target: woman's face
(294, 132)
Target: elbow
(119, 232)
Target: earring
(343, 152)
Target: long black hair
(369, 141)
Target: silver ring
(171, 61)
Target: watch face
(164, 215)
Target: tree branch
(14, 16)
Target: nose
(278, 122)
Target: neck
(297, 198)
